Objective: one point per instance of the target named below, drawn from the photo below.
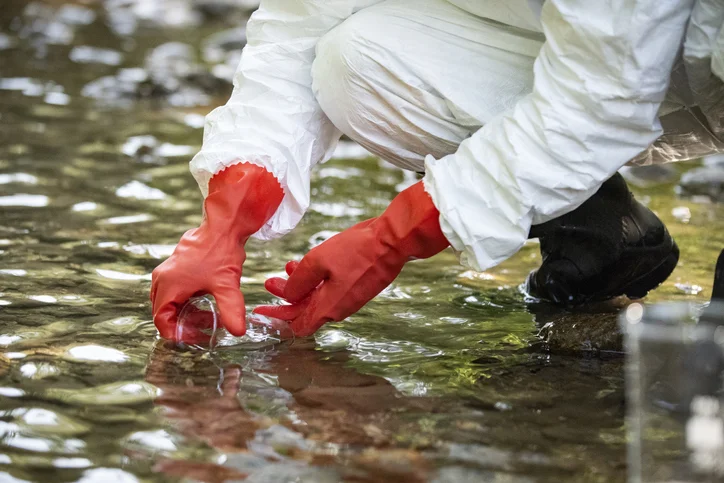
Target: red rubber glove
(338, 277)
(208, 259)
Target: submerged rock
(714, 160)
(113, 89)
(172, 59)
(126, 16)
(70, 14)
(216, 47)
(174, 74)
(224, 50)
(6, 42)
(43, 25)
(229, 10)
(84, 54)
(705, 181)
(644, 176)
(170, 74)
(148, 149)
(574, 332)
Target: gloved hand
(208, 259)
(338, 277)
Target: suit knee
(342, 68)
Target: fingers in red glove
(169, 299)
(281, 312)
(276, 286)
(208, 260)
(306, 276)
(232, 309)
(166, 306)
(291, 266)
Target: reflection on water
(444, 377)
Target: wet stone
(170, 74)
(98, 197)
(84, 54)
(224, 51)
(582, 332)
(122, 86)
(651, 175)
(173, 71)
(71, 14)
(121, 393)
(714, 160)
(44, 24)
(173, 59)
(229, 10)
(704, 181)
(5, 365)
(125, 16)
(6, 42)
(47, 422)
(217, 46)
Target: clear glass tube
(199, 326)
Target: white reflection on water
(24, 178)
(46, 299)
(93, 352)
(57, 98)
(155, 251)
(105, 475)
(6, 340)
(123, 220)
(34, 201)
(11, 392)
(136, 189)
(114, 275)
(72, 463)
(85, 54)
(85, 206)
(336, 209)
(40, 417)
(159, 440)
(16, 272)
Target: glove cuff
(242, 198)
(411, 224)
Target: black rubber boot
(611, 245)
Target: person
(519, 113)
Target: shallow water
(442, 378)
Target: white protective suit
(517, 110)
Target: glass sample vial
(199, 326)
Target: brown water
(442, 378)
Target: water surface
(442, 378)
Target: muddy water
(442, 378)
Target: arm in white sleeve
(599, 80)
(703, 45)
(272, 118)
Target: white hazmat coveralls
(516, 110)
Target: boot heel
(655, 277)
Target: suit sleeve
(599, 80)
(272, 118)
